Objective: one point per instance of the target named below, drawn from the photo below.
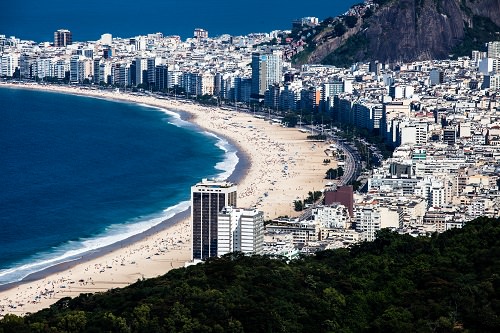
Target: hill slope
(444, 283)
(407, 30)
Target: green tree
(113, 323)
(339, 29)
(141, 314)
(299, 206)
(180, 319)
(73, 322)
(13, 324)
(334, 173)
(290, 119)
(394, 319)
(340, 171)
(350, 21)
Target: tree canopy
(448, 282)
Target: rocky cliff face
(406, 30)
(484, 8)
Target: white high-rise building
(240, 229)
(60, 68)
(8, 64)
(477, 56)
(413, 133)
(437, 195)
(78, 68)
(494, 49)
(207, 84)
(486, 65)
(43, 67)
(174, 78)
(105, 72)
(367, 220)
(266, 70)
(495, 81)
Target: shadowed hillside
(449, 282)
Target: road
(352, 161)
(352, 168)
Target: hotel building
(208, 198)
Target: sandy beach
(282, 167)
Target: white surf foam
(74, 250)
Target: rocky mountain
(406, 30)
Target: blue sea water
(79, 173)
(37, 20)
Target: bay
(79, 173)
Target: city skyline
(168, 17)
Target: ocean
(37, 20)
(80, 173)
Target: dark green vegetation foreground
(444, 283)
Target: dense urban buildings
(441, 117)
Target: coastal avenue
(352, 166)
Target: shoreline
(237, 174)
(94, 254)
(262, 182)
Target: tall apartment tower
(240, 230)
(208, 198)
(436, 77)
(62, 38)
(141, 70)
(494, 49)
(266, 71)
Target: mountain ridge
(408, 30)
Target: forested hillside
(449, 282)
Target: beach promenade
(282, 167)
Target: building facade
(208, 198)
(62, 38)
(266, 70)
(240, 230)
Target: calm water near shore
(80, 173)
